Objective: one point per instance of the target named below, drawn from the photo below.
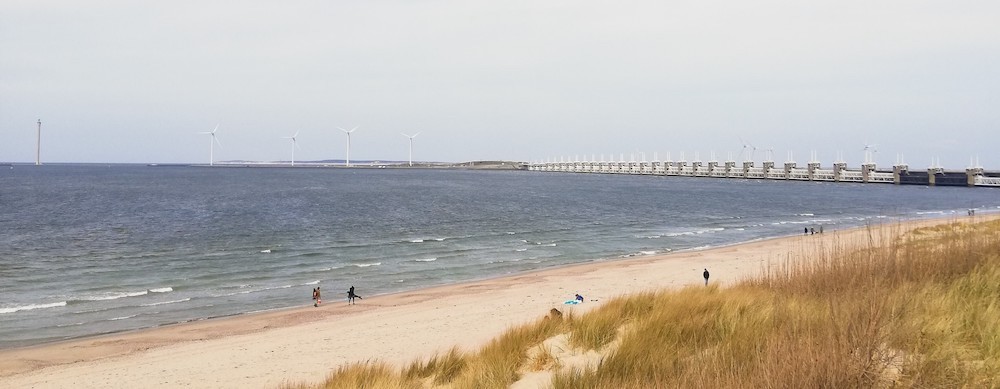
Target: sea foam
(114, 296)
(29, 307)
(166, 302)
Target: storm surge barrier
(901, 174)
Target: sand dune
(304, 344)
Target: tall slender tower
(38, 145)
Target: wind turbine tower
(38, 145)
(295, 145)
(348, 162)
(411, 145)
(211, 145)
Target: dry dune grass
(918, 309)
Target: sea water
(88, 250)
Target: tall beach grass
(913, 309)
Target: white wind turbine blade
(209, 132)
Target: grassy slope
(921, 311)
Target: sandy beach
(304, 344)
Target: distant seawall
(839, 172)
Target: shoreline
(213, 352)
(616, 258)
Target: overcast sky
(130, 81)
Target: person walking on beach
(805, 230)
(315, 303)
(351, 296)
(705, 274)
(319, 298)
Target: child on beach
(351, 296)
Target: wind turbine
(869, 150)
(747, 157)
(411, 145)
(211, 145)
(348, 143)
(295, 145)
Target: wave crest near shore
(18, 308)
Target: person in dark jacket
(351, 296)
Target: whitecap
(425, 260)
(417, 241)
(122, 317)
(312, 283)
(519, 250)
(166, 302)
(368, 264)
(114, 296)
(268, 251)
(161, 290)
(511, 232)
(806, 214)
(29, 307)
(440, 239)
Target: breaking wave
(29, 307)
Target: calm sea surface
(95, 249)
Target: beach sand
(304, 344)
